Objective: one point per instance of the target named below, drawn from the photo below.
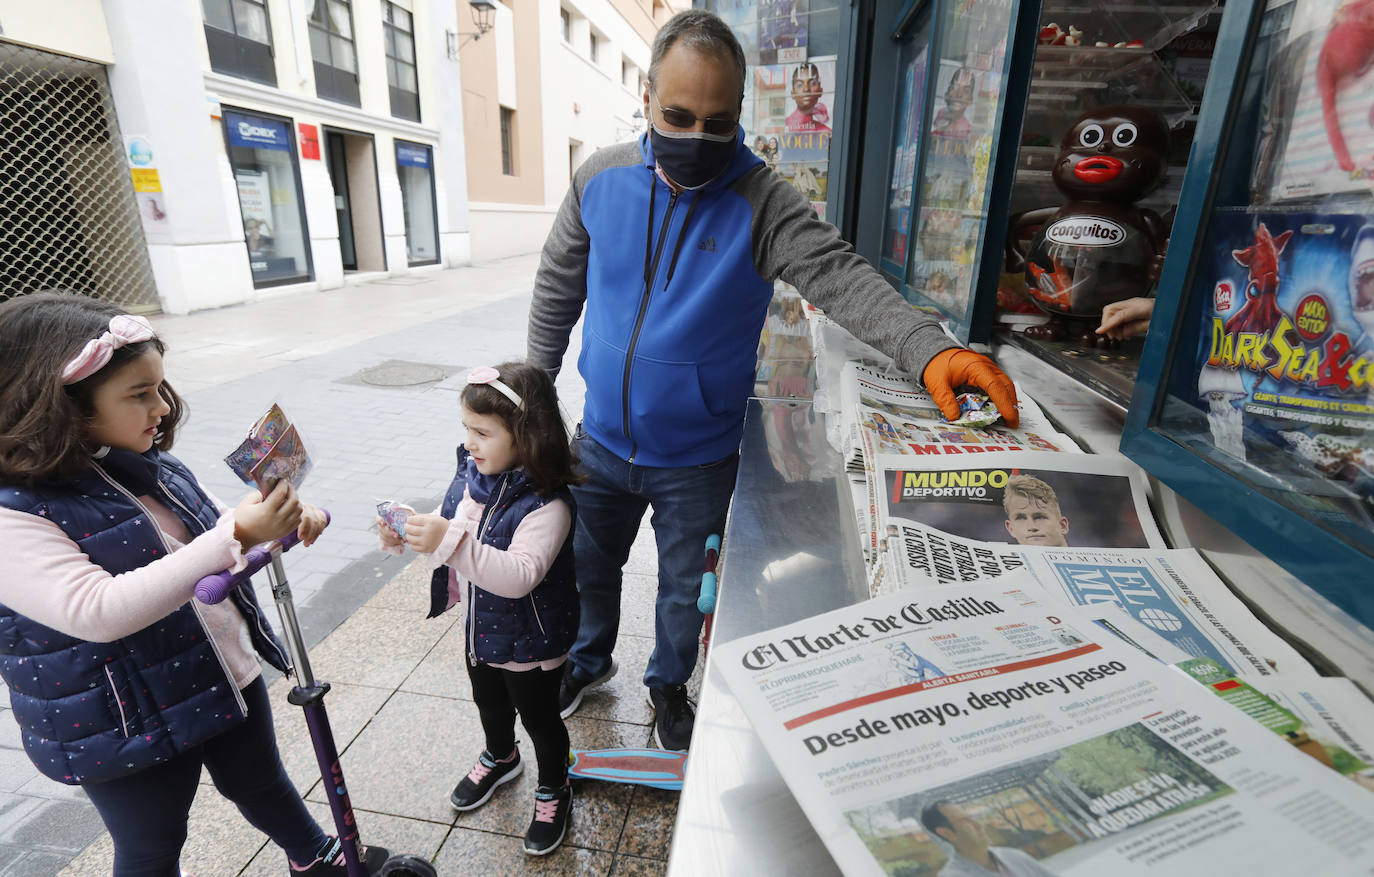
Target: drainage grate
(399, 373)
(70, 220)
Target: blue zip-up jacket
(676, 289)
(90, 711)
(540, 626)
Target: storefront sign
(147, 185)
(146, 179)
(257, 133)
(310, 141)
(411, 155)
(140, 153)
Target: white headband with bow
(124, 330)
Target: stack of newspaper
(995, 728)
(1038, 684)
(887, 417)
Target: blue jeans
(689, 504)
(146, 812)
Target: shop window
(262, 154)
(508, 142)
(331, 46)
(402, 82)
(238, 34)
(415, 170)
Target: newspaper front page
(902, 418)
(961, 728)
(942, 520)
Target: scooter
(308, 694)
(655, 768)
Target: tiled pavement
(399, 703)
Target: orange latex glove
(959, 367)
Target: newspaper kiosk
(1262, 456)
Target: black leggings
(500, 694)
(146, 812)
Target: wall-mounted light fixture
(483, 18)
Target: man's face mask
(690, 158)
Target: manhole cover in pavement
(398, 373)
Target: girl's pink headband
(485, 374)
(124, 329)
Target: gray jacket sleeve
(560, 286)
(790, 242)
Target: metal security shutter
(68, 218)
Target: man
(810, 114)
(972, 856)
(1033, 515)
(673, 243)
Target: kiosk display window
(262, 154)
(1263, 371)
(902, 178)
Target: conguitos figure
(1098, 247)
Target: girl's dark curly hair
(44, 425)
(536, 427)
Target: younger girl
(120, 682)
(502, 546)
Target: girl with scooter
(119, 682)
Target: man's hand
(313, 522)
(425, 532)
(958, 367)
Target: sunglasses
(713, 125)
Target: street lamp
(483, 18)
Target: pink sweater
(511, 572)
(45, 576)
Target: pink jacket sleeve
(514, 571)
(45, 576)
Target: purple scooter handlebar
(215, 587)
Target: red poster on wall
(310, 141)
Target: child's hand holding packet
(394, 515)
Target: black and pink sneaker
(475, 789)
(552, 810)
(330, 860)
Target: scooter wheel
(407, 866)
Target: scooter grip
(706, 603)
(215, 587)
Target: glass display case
(984, 93)
(1255, 397)
(950, 169)
(1089, 57)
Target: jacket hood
(743, 161)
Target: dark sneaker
(488, 773)
(330, 860)
(552, 810)
(674, 716)
(573, 687)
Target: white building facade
(554, 82)
(267, 145)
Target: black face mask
(692, 159)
